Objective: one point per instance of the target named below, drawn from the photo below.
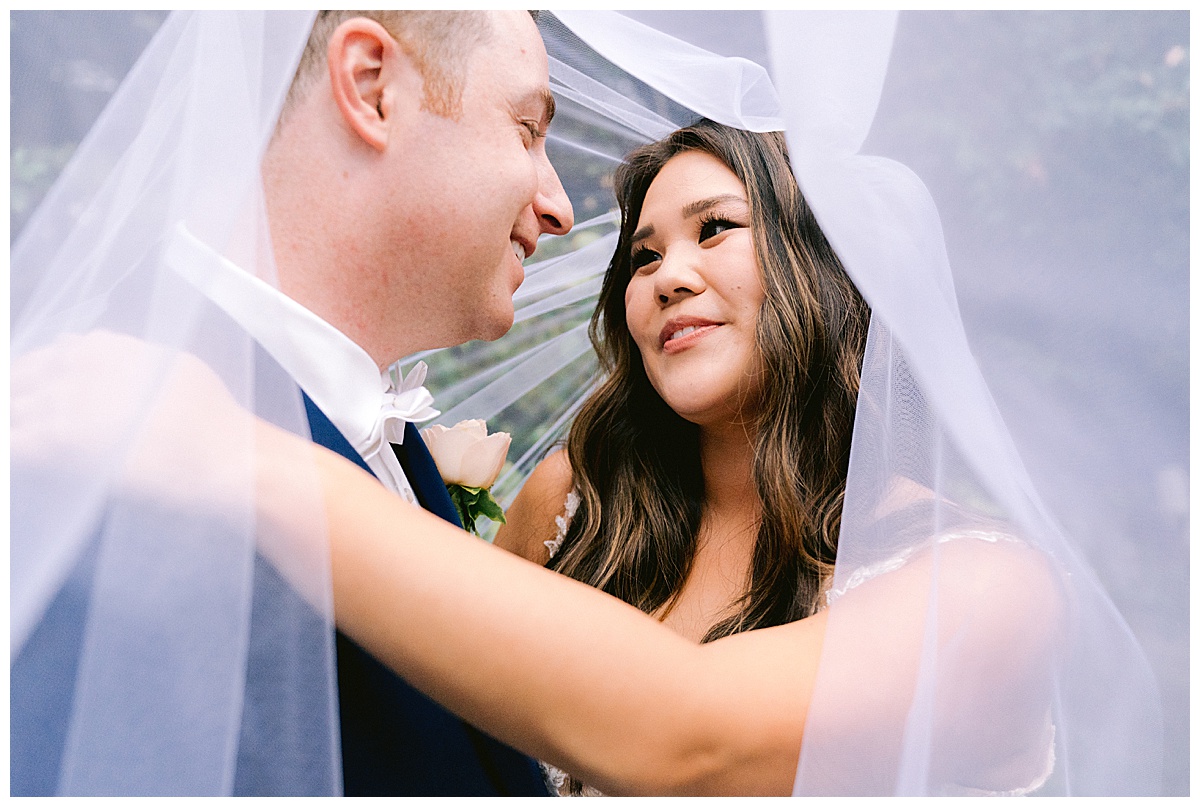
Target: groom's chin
(497, 325)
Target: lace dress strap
(864, 573)
(563, 523)
(559, 782)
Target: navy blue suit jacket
(396, 741)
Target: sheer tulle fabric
(189, 667)
(1003, 665)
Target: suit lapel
(324, 433)
(424, 476)
(415, 460)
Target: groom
(406, 183)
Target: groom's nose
(551, 205)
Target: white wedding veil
(153, 652)
(1025, 378)
(1007, 190)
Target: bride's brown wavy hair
(636, 463)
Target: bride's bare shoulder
(531, 517)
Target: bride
(704, 480)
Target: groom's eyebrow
(548, 105)
(531, 100)
(528, 101)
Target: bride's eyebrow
(701, 205)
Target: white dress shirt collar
(338, 375)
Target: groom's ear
(372, 78)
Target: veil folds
(1016, 463)
(982, 473)
(153, 651)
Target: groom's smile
(488, 189)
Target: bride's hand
(154, 423)
(111, 415)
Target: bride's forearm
(552, 666)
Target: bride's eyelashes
(713, 224)
(643, 257)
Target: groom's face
(488, 189)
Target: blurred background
(1087, 111)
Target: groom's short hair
(440, 42)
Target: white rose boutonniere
(469, 460)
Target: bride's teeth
(518, 250)
(683, 332)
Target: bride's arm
(584, 681)
(558, 669)
(530, 520)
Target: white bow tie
(410, 401)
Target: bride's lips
(694, 328)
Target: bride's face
(693, 299)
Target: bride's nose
(676, 278)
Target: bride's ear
(372, 78)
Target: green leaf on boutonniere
(471, 503)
